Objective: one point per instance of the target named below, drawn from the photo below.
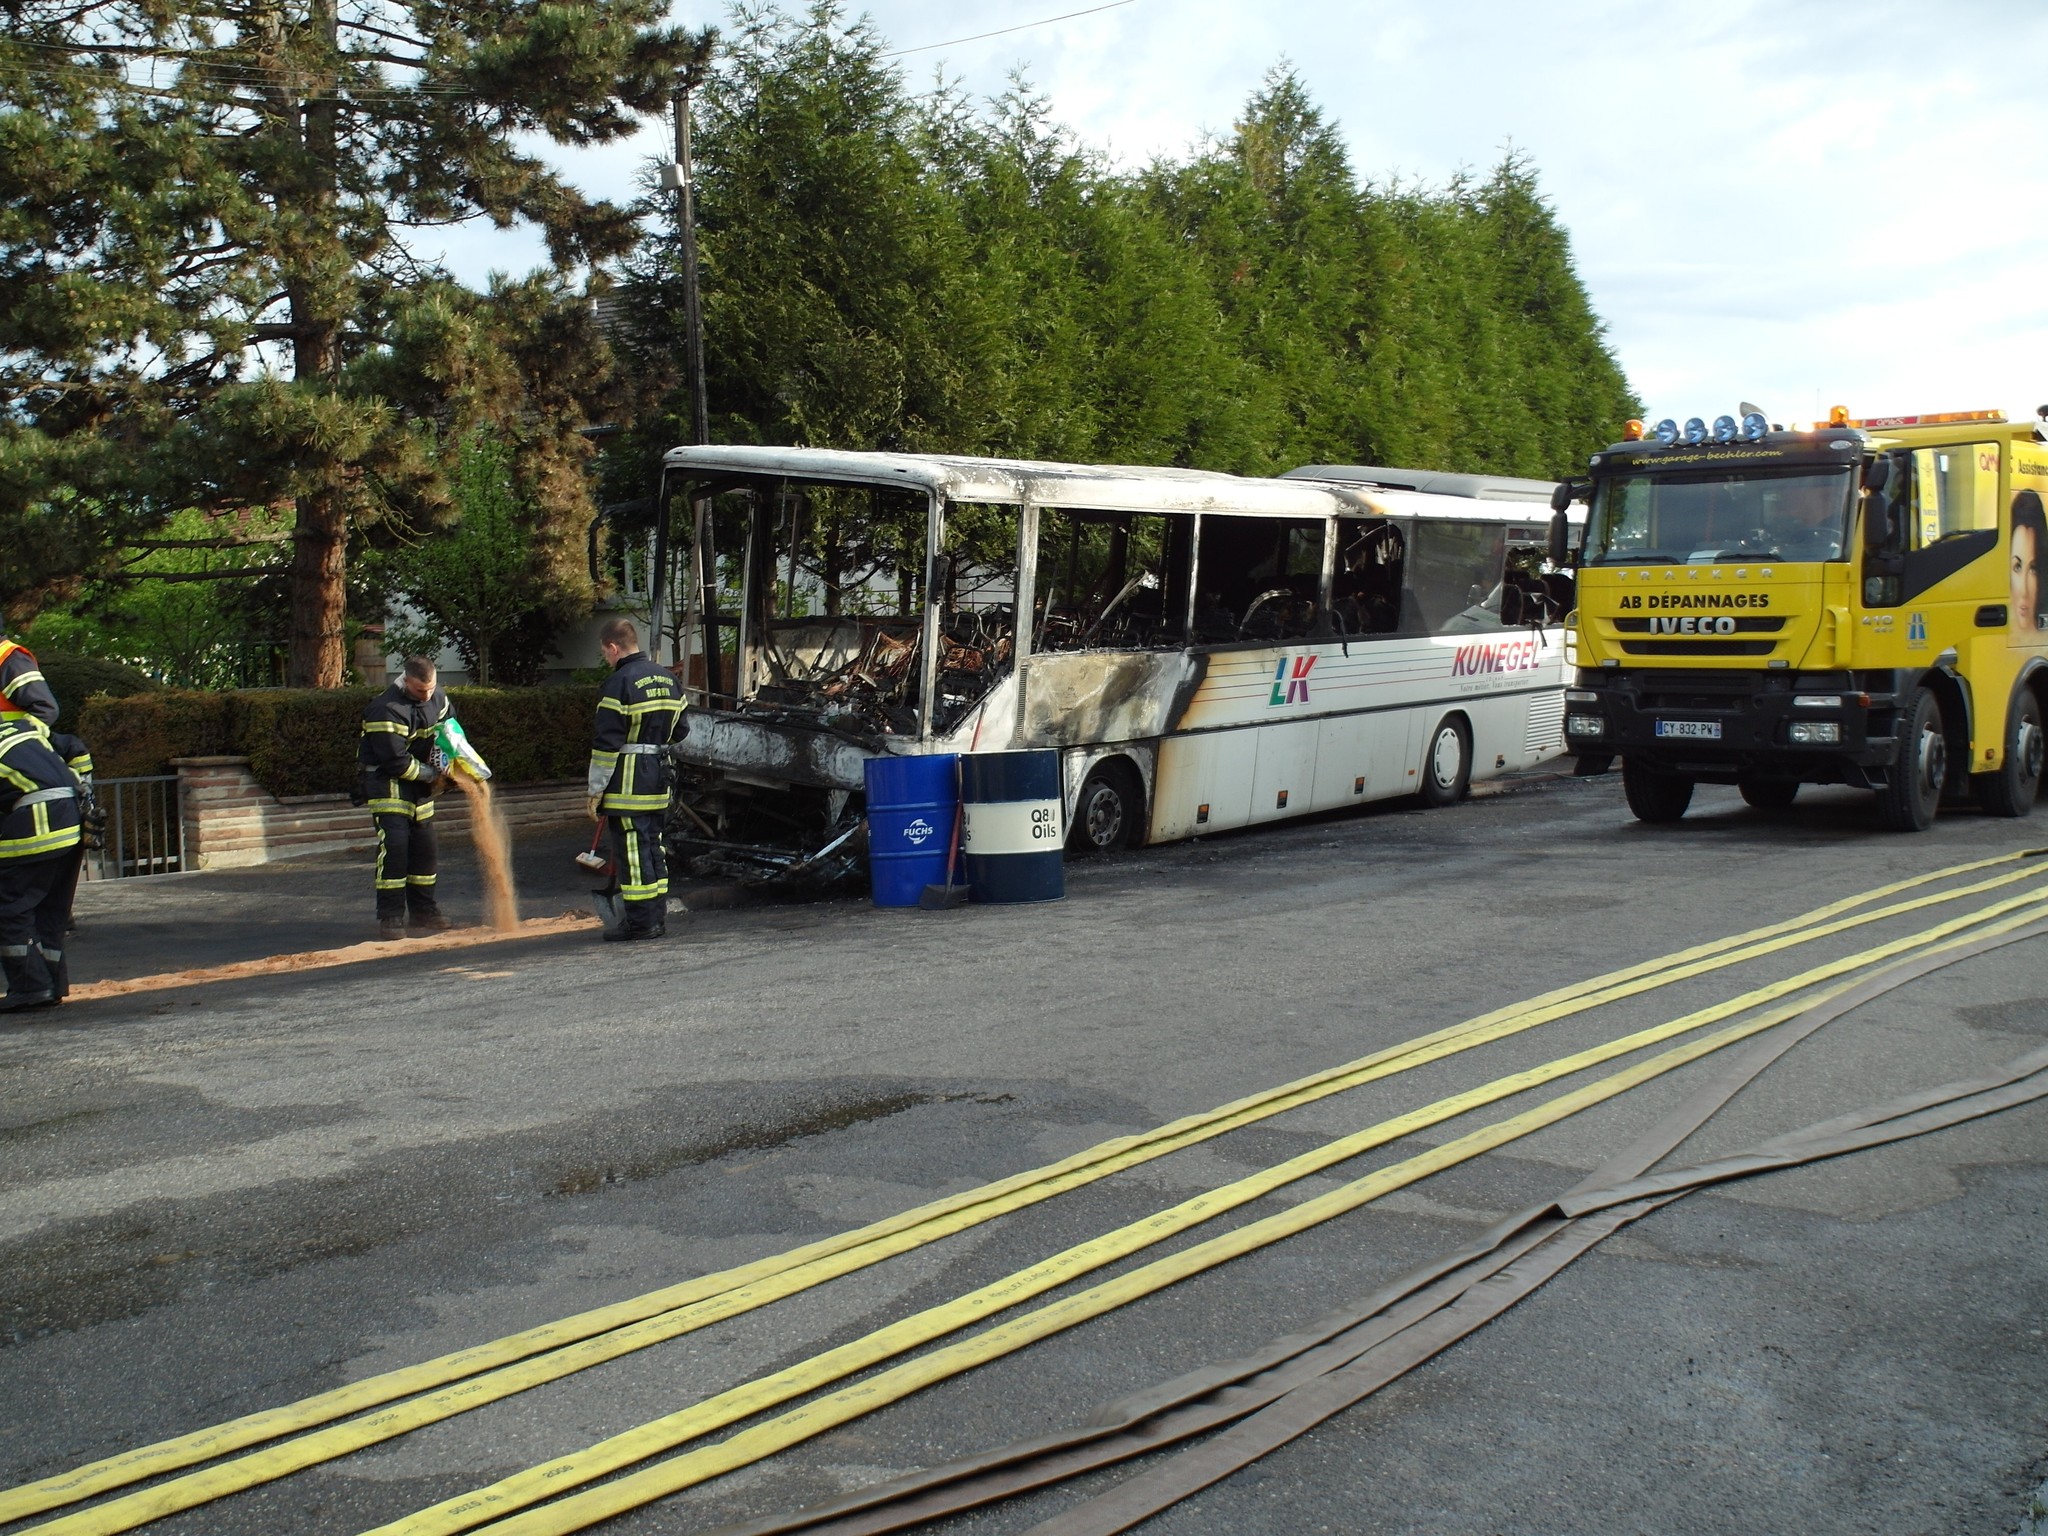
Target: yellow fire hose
(608, 1332)
(485, 1506)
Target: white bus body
(1372, 660)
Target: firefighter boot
(29, 983)
(60, 972)
(643, 920)
(423, 915)
(391, 918)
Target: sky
(1766, 203)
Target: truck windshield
(1703, 519)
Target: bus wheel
(1447, 767)
(1909, 800)
(1106, 810)
(1769, 794)
(1654, 796)
(2010, 790)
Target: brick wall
(231, 820)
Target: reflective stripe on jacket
(639, 711)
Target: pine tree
(212, 288)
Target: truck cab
(1853, 603)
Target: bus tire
(1108, 811)
(1769, 794)
(1447, 765)
(1912, 792)
(2010, 790)
(1653, 796)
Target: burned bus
(1205, 651)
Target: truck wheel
(1769, 794)
(1447, 766)
(1654, 796)
(2011, 790)
(1909, 801)
(1106, 811)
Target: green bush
(529, 735)
(75, 678)
(302, 741)
(299, 741)
(138, 735)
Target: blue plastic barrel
(911, 805)
(1013, 826)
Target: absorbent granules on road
(321, 959)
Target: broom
(937, 898)
(594, 861)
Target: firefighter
(639, 711)
(23, 693)
(39, 854)
(401, 764)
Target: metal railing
(145, 829)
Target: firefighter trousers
(407, 860)
(35, 909)
(642, 865)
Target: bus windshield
(1703, 519)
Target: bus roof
(1091, 487)
(1436, 482)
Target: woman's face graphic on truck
(2029, 546)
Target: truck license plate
(1692, 730)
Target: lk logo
(1916, 631)
(1291, 686)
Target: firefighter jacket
(38, 796)
(639, 711)
(397, 754)
(23, 693)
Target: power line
(897, 53)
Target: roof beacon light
(1632, 431)
(1754, 426)
(1666, 432)
(1695, 430)
(1724, 429)
(1838, 416)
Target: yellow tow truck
(1856, 603)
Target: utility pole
(686, 224)
(681, 178)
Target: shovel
(937, 898)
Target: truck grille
(1698, 647)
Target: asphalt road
(219, 1199)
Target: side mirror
(1560, 534)
(1876, 473)
(1561, 497)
